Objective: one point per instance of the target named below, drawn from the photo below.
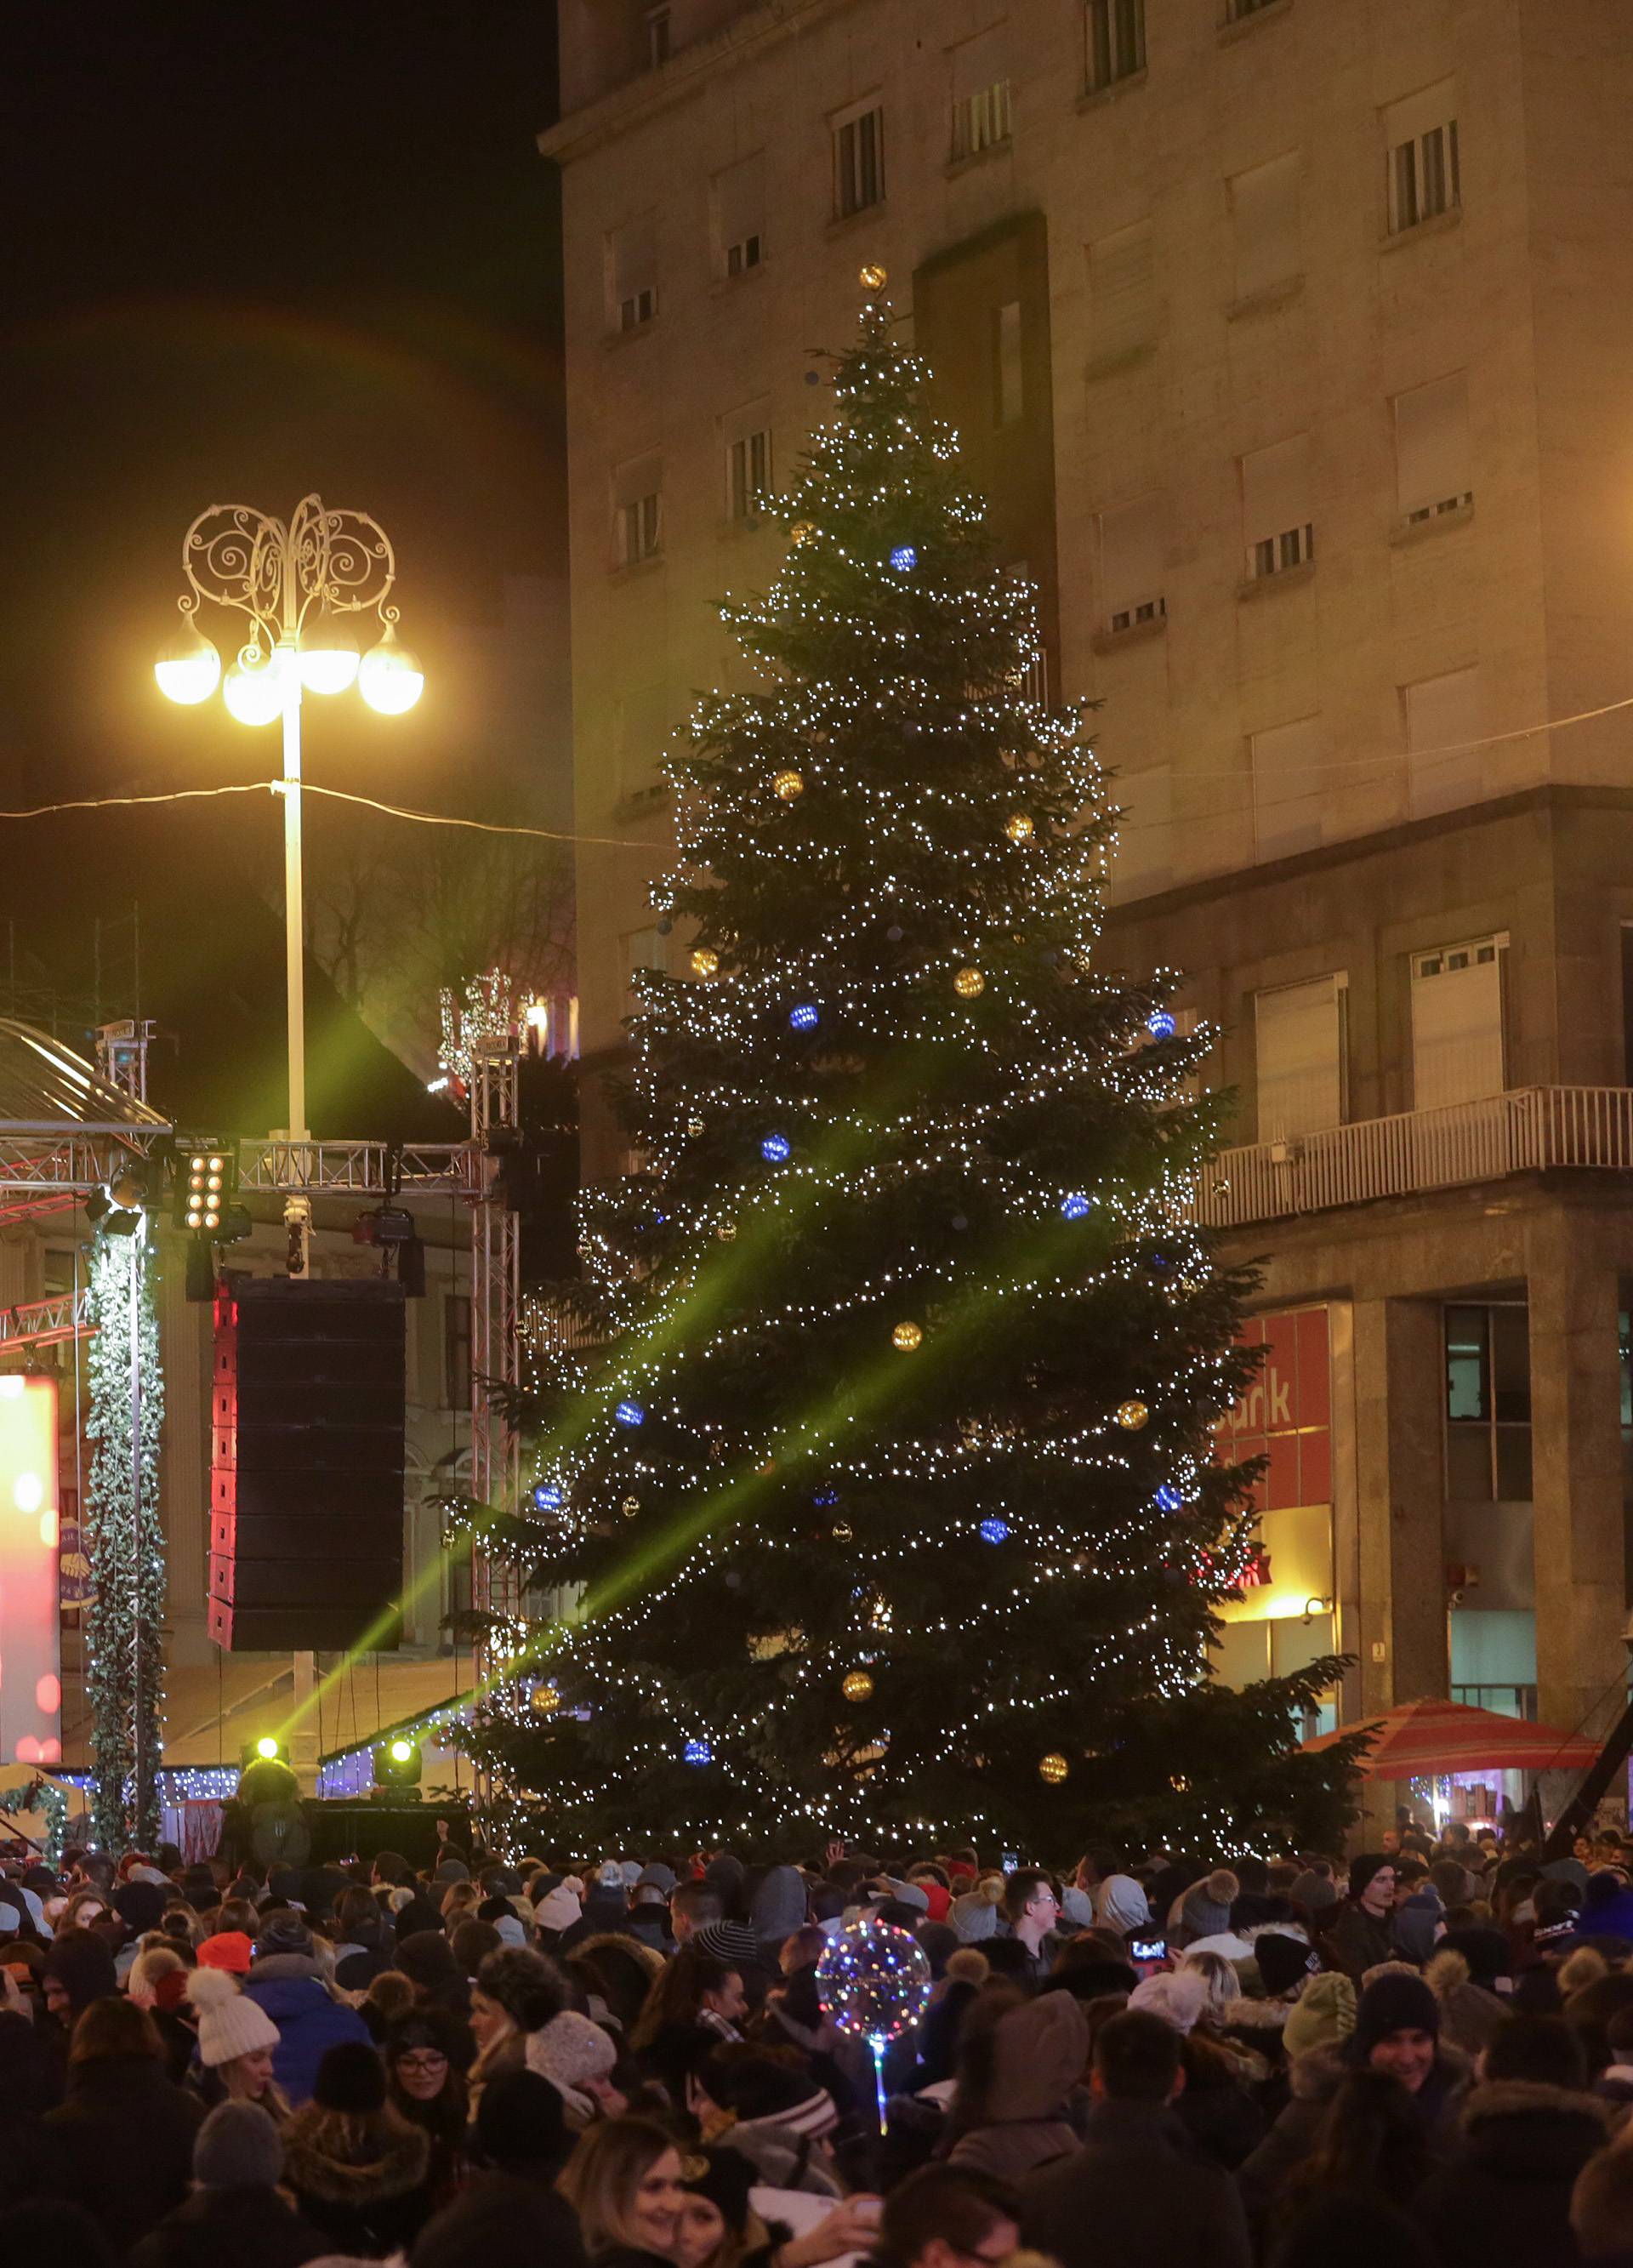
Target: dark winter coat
(1313, 2080)
(1504, 2198)
(1134, 2197)
(120, 2144)
(230, 2229)
(288, 1987)
(363, 2181)
(1358, 1940)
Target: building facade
(1290, 340)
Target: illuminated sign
(1286, 1414)
(31, 1681)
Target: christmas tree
(883, 1492)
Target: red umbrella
(1422, 1738)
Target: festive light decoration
(704, 962)
(801, 532)
(544, 1700)
(790, 786)
(873, 277)
(874, 1982)
(805, 1017)
(1053, 1768)
(994, 1531)
(1169, 1498)
(548, 1498)
(1132, 1415)
(698, 1752)
(631, 1506)
(1161, 1026)
(904, 558)
(969, 984)
(41, 1795)
(1077, 1206)
(1018, 827)
(858, 1686)
(630, 1413)
(775, 1149)
(924, 1179)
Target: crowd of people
(1423, 2056)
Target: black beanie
(724, 2176)
(1284, 1961)
(351, 2077)
(82, 1963)
(1394, 2002)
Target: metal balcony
(1527, 1130)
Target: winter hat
(609, 1875)
(426, 1958)
(732, 1942)
(630, 1871)
(558, 1909)
(1470, 2018)
(1120, 1903)
(568, 2051)
(230, 2023)
(238, 2148)
(452, 1870)
(229, 1949)
(1313, 1891)
(1416, 1920)
(916, 1895)
(1323, 2015)
(283, 1932)
(1205, 1909)
(1283, 1962)
(350, 2078)
(1078, 1906)
(1485, 1950)
(968, 1966)
(82, 1963)
(974, 1915)
(725, 2178)
(530, 1989)
(140, 1904)
(1396, 2002)
(510, 1929)
(657, 1875)
(1364, 1866)
(1177, 1995)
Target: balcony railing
(1524, 1132)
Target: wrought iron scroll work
(338, 561)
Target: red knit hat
(229, 1948)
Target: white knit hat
(230, 2023)
(559, 1911)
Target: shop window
(1488, 1403)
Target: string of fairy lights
(891, 862)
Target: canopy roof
(1422, 1738)
(46, 1087)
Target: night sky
(249, 252)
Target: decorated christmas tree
(880, 1497)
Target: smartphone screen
(1148, 1954)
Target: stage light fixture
(207, 1174)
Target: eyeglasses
(428, 2061)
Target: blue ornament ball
(1169, 1498)
(630, 1413)
(775, 1149)
(994, 1531)
(904, 558)
(1074, 1206)
(548, 1498)
(874, 1980)
(698, 1752)
(1161, 1026)
(805, 1017)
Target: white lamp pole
(296, 584)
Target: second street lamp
(296, 584)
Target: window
(1132, 544)
(1457, 1024)
(1287, 795)
(638, 507)
(658, 30)
(1488, 1404)
(1298, 1040)
(1264, 221)
(1123, 298)
(980, 103)
(632, 267)
(1440, 716)
(1420, 137)
(456, 1351)
(1008, 389)
(1275, 507)
(747, 472)
(1431, 450)
(1144, 855)
(740, 216)
(1114, 41)
(859, 159)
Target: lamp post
(296, 584)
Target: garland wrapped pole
(124, 1542)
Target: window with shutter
(747, 436)
(981, 92)
(1441, 716)
(858, 158)
(1277, 526)
(637, 510)
(1457, 1023)
(1114, 41)
(1132, 544)
(1287, 795)
(1298, 1043)
(1264, 218)
(740, 216)
(1420, 142)
(1433, 453)
(632, 272)
(1123, 295)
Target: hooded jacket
(361, 2179)
(1504, 2198)
(288, 1987)
(1040, 2049)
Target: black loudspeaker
(306, 1466)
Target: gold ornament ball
(1053, 1768)
(1018, 827)
(874, 277)
(693, 1127)
(704, 963)
(1180, 1784)
(544, 1699)
(789, 785)
(1131, 1415)
(858, 1686)
(631, 1506)
(842, 1531)
(969, 984)
(906, 1336)
(726, 1231)
(801, 532)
